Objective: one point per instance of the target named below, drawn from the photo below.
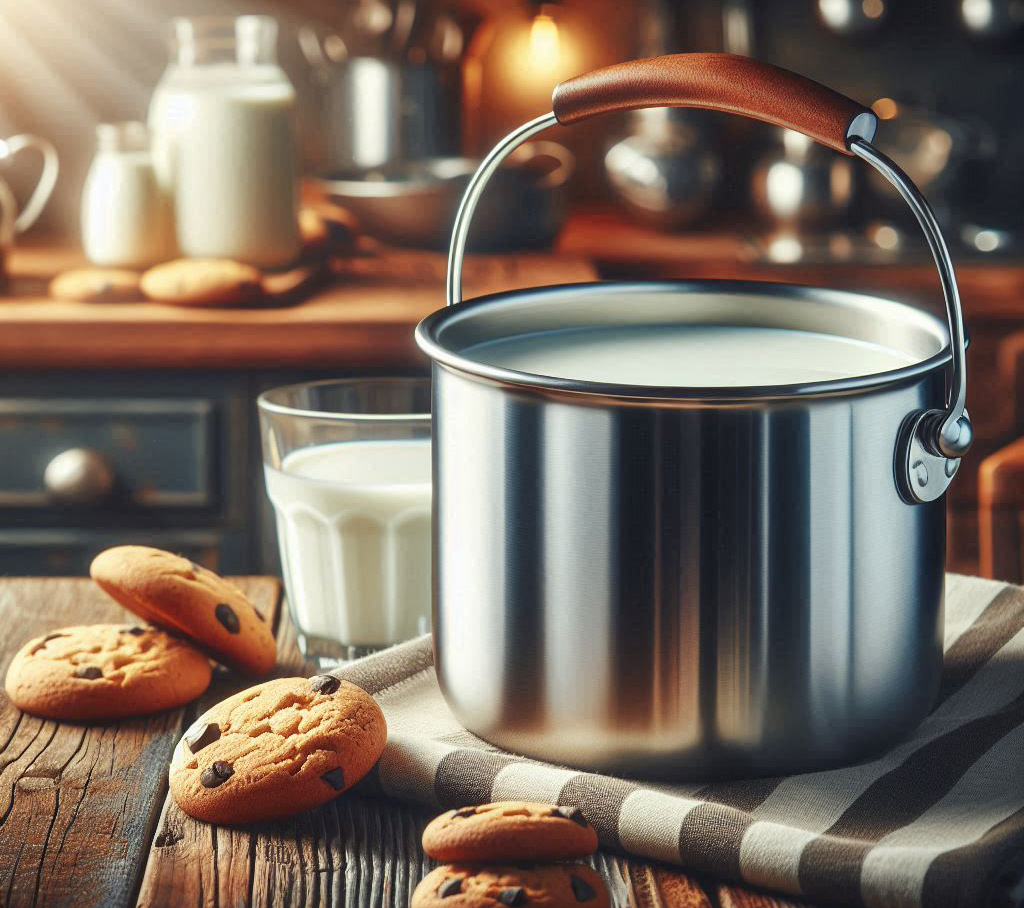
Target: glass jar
(223, 126)
(126, 216)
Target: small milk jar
(224, 143)
(126, 216)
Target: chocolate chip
(583, 891)
(216, 774)
(198, 738)
(335, 778)
(324, 684)
(89, 672)
(571, 813)
(514, 895)
(464, 812)
(135, 631)
(226, 616)
(451, 886)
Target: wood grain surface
(78, 803)
(85, 819)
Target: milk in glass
(353, 523)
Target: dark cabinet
(165, 458)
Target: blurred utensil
(446, 42)
(802, 184)
(401, 30)
(371, 20)
(414, 204)
(667, 171)
(363, 112)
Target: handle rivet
(920, 473)
(951, 466)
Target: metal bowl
(414, 203)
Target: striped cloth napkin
(932, 822)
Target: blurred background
(394, 102)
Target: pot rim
(429, 339)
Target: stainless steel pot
(685, 582)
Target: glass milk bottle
(126, 215)
(223, 126)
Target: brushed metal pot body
(683, 583)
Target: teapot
(11, 221)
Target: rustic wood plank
(657, 886)
(356, 852)
(737, 897)
(352, 852)
(78, 803)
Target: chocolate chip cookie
(175, 593)
(275, 749)
(105, 671)
(203, 282)
(510, 831)
(97, 285)
(550, 886)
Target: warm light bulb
(545, 44)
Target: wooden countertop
(87, 820)
(365, 318)
(990, 290)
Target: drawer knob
(80, 476)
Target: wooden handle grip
(717, 82)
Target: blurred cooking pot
(667, 171)
(738, 571)
(414, 204)
(800, 184)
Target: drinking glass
(347, 466)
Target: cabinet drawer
(70, 552)
(125, 454)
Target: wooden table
(85, 818)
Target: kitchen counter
(366, 318)
(990, 289)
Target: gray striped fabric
(930, 823)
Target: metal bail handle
(932, 442)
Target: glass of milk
(347, 465)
